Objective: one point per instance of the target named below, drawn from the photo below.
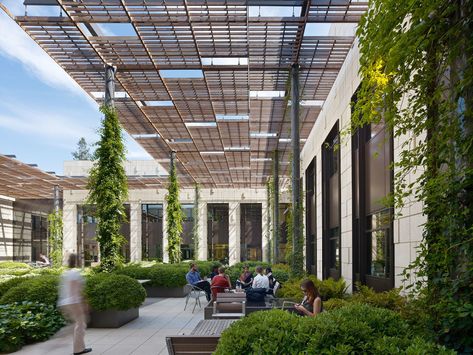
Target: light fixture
(260, 159)
(240, 168)
(201, 124)
(232, 117)
(117, 94)
(242, 148)
(284, 140)
(159, 103)
(224, 61)
(212, 152)
(267, 94)
(179, 140)
(263, 135)
(145, 135)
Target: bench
(229, 305)
(203, 339)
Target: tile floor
(146, 335)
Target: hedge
(43, 289)
(27, 322)
(13, 265)
(280, 271)
(353, 329)
(113, 292)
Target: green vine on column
(195, 227)
(269, 224)
(174, 217)
(417, 76)
(108, 190)
(55, 240)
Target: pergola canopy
(208, 79)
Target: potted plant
(114, 299)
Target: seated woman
(219, 283)
(311, 304)
(246, 278)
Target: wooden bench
(229, 305)
(203, 339)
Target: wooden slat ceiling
(26, 181)
(197, 34)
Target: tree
(174, 216)
(83, 151)
(108, 190)
(195, 227)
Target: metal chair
(193, 292)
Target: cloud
(134, 150)
(16, 44)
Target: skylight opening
(117, 95)
(159, 103)
(233, 149)
(201, 124)
(115, 29)
(225, 61)
(263, 135)
(232, 117)
(274, 11)
(267, 94)
(145, 136)
(181, 74)
(329, 29)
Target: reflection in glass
(378, 237)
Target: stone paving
(146, 335)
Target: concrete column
(165, 233)
(203, 247)
(135, 232)
(69, 243)
(264, 227)
(234, 235)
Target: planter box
(159, 291)
(112, 318)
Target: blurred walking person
(71, 303)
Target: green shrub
(352, 329)
(110, 291)
(335, 303)
(280, 271)
(8, 284)
(268, 332)
(14, 271)
(389, 299)
(43, 289)
(328, 288)
(13, 265)
(27, 322)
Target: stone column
(234, 235)
(203, 247)
(69, 243)
(165, 233)
(135, 232)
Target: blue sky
(43, 113)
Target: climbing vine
(416, 62)
(174, 217)
(55, 225)
(108, 190)
(195, 227)
(269, 224)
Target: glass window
(152, 231)
(378, 243)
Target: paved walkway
(146, 335)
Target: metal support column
(109, 85)
(276, 206)
(295, 141)
(56, 198)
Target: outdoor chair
(195, 293)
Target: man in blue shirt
(193, 278)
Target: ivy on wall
(108, 190)
(270, 222)
(174, 217)
(195, 227)
(416, 62)
(55, 240)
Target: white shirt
(260, 281)
(67, 293)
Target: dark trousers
(204, 285)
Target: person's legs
(75, 313)
(204, 285)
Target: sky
(43, 112)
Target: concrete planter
(159, 291)
(112, 318)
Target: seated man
(260, 280)
(45, 261)
(193, 278)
